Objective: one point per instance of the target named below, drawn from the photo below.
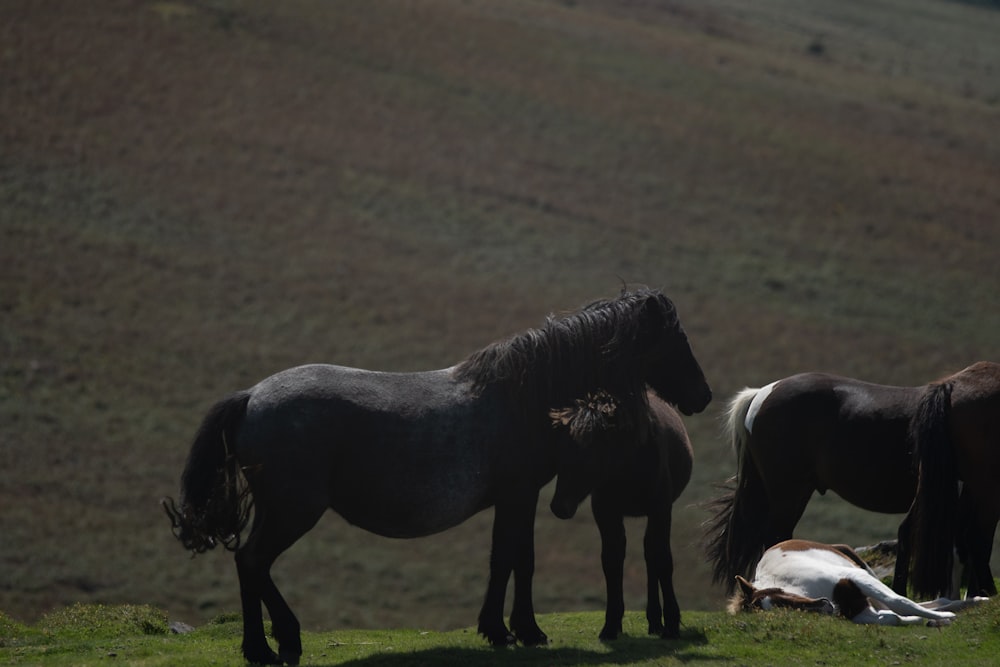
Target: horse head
(671, 369)
(750, 598)
(596, 432)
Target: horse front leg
(611, 525)
(522, 615)
(513, 550)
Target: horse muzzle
(693, 407)
(563, 510)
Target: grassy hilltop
(196, 194)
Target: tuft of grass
(11, 631)
(98, 620)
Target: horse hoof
(670, 633)
(534, 638)
(506, 640)
(267, 657)
(502, 638)
(291, 659)
(608, 635)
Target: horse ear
(742, 599)
(659, 314)
(745, 587)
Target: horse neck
(545, 369)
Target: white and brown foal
(832, 579)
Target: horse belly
(400, 455)
(869, 464)
(888, 489)
(409, 501)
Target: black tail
(215, 501)
(736, 534)
(935, 508)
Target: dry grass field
(196, 194)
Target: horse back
(838, 433)
(399, 454)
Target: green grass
(91, 635)
(394, 185)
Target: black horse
(630, 469)
(411, 454)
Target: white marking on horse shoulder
(758, 400)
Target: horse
(629, 470)
(833, 579)
(817, 432)
(406, 455)
(956, 436)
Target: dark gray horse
(630, 469)
(411, 454)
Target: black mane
(602, 346)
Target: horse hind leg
(660, 568)
(272, 533)
(901, 569)
(977, 529)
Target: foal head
(595, 437)
(749, 598)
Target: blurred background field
(196, 194)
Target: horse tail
(935, 507)
(215, 500)
(735, 534)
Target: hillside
(196, 194)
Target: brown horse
(956, 435)
(629, 469)
(817, 432)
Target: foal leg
(654, 611)
(611, 525)
(660, 566)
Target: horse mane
(598, 347)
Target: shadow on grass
(624, 650)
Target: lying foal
(833, 579)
